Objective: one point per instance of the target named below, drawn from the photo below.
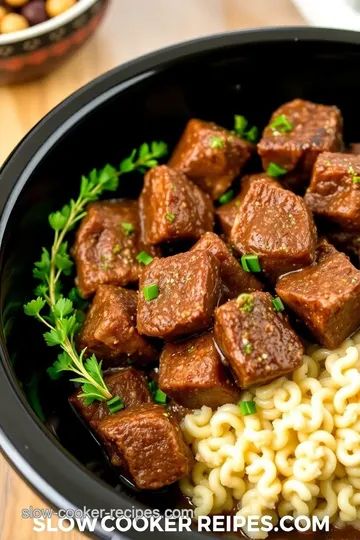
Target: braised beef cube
(234, 279)
(227, 213)
(334, 191)
(276, 225)
(325, 296)
(178, 295)
(191, 372)
(309, 130)
(257, 341)
(354, 148)
(173, 208)
(130, 386)
(211, 156)
(106, 245)
(151, 444)
(109, 330)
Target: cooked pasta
(299, 454)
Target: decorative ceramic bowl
(36, 51)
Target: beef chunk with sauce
(258, 342)
(234, 279)
(346, 241)
(313, 129)
(130, 386)
(191, 372)
(334, 191)
(151, 444)
(276, 225)
(109, 330)
(186, 289)
(106, 245)
(211, 156)
(325, 296)
(173, 208)
(227, 213)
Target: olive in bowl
(36, 36)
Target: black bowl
(248, 73)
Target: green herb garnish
(356, 179)
(115, 405)
(245, 302)
(281, 124)
(247, 407)
(62, 317)
(240, 125)
(277, 304)
(275, 170)
(248, 348)
(227, 197)
(170, 217)
(250, 263)
(217, 142)
(128, 228)
(144, 258)
(158, 395)
(151, 292)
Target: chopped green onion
(227, 197)
(115, 404)
(356, 179)
(277, 304)
(170, 217)
(240, 124)
(275, 170)
(217, 142)
(116, 249)
(250, 263)
(151, 292)
(252, 135)
(160, 397)
(144, 258)
(281, 123)
(247, 407)
(128, 228)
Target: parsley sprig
(62, 318)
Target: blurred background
(118, 30)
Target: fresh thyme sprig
(62, 320)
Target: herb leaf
(62, 318)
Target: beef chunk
(173, 208)
(191, 372)
(315, 129)
(109, 330)
(211, 156)
(354, 148)
(151, 443)
(326, 296)
(178, 411)
(189, 289)
(234, 279)
(227, 213)
(276, 225)
(334, 191)
(130, 386)
(258, 343)
(106, 245)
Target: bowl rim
(47, 26)
(24, 440)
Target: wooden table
(131, 28)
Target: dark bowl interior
(247, 73)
